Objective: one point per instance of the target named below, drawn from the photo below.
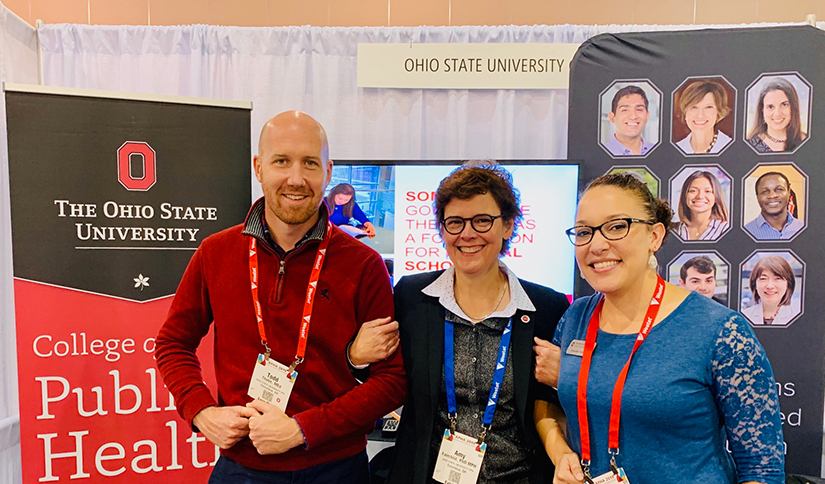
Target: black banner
(733, 113)
(103, 190)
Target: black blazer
(421, 320)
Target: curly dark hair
(477, 178)
(658, 210)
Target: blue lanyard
(498, 376)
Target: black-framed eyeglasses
(615, 229)
(481, 223)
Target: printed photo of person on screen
(778, 117)
(702, 204)
(699, 274)
(775, 220)
(702, 106)
(773, 288)
(343, 209)
(627, 109)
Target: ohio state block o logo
(124, 162)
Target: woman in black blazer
(483, 304)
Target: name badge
(459, 459)
(612, 477)
(271, 382)
(576, 347)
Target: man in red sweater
(288, 407)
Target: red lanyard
(308, 301)
(584, 373)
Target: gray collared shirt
(508, 458)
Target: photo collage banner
(727, 125)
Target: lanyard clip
(267, 352)
(294, 365)
(586, 470)
(483, 434)
(452, 422)
(613, 467)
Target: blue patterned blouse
(700, 378)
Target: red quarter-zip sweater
(333, 410)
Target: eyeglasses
(615, 229)
(481, 223)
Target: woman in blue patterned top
(698, 379)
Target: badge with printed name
(459, 459)
(612, 477)
(271, 382)
(576, 347)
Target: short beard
(295, 216)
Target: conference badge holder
(459, 458)
(616, 474)
(272, 382)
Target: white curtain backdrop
(308, 68)
(18, 63)
(314, 69)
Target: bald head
(294, 169)
(294, 125)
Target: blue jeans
(351, 470)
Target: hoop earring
(652, 262)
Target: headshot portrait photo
(704, 112)
(772, 288)
(630, 115)
(775, 202)
(642, 174)
(778, 113)
(706, 273)
(700, 197)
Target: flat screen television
(397, 198)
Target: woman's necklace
(771, 315)
(500, 298)
(712, 142)
(775, 140)
(699, 227)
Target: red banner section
(92, 403)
